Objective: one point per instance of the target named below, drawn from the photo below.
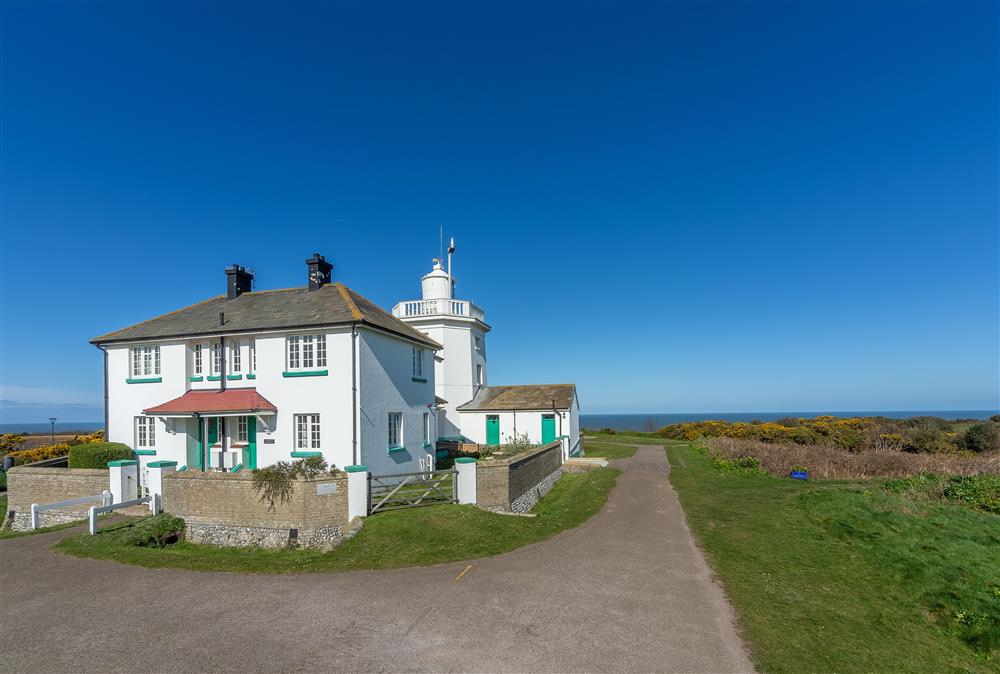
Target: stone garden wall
(517, 483)
(28, 484)
(223, 509)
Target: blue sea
(637, 422)
(61, 427)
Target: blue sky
(679, 207)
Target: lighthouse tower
(459, 326)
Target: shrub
(744, 465)
(929, 438)
(23, 456)
(982, 437)
(155, 532)
(276, 483)
(97, 454)
(9, 442)
(979, 491)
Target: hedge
(97, 454)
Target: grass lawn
(842, 576)
(411, 537)
(632, 438)
(604, 450)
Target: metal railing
(415, 308)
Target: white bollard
(466, 476)
(357, 491)
(124, 479)
(154, 481)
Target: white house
(468, 408)
(249, 378)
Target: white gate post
(157, 469)
(466, 476)
(124, 479)
(357, 491)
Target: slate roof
(206, 402)
(529, 397)
(291, 308)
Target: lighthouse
(460, 327)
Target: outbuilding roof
(215, 401)
(291, 308)
(528, 397)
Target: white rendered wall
(126, 401)
(387, 386)
(455, 367)
(329, 396)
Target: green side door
(195, 443)
(492, 429)
(548, 428)
(250, 451)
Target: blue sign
(800, 475)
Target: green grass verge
(412, 537)
(604, 450)
(7, 533)
(845, 576)
(630, 437)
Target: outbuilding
(542, 412)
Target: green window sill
(356, 469)
(304, 455)
(197, 378)
(251, 376)
(419, 380)
(306, 373)
(234, 376)
(214, 377)
(145, 380)
(145, 452)
(395, 448)
(162, 464)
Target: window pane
(307, 351)
(301, 441)
(315, 431)
(293, 353)
(156, 359)
(150, 425)
(320, 350)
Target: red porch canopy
(215, 402)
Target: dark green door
(196, 445)
(492, 429)
(548, 428)
(250, 451)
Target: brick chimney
(239, 280)
(320, 271)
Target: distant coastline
(618, 422)
(637, 422)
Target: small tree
(649, 424)
(983, 437)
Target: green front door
(548, 428)
(250, 451)
(195, 444)
(492, 429)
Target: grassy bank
(604, 450)
(413, 537)
(844, 575)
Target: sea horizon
(632, 421)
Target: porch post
(357, 491)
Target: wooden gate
(411, 490)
